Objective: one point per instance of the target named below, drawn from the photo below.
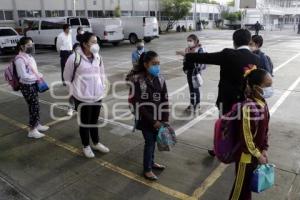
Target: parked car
(8, 39)
(108, 30)
(44, 31)
(135, 28)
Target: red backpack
(226, 130)
(11, 75)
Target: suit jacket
(234, 63)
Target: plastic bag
(166, 138)
(263, 178)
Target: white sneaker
(35, 134)
(100, 147)
(70, 112)
(42, 128)
(87, 151)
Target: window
(95, 13)
(126, 13)
(140, 13)
(211, 16)
(80, 13)
(31, 25)
(70, 13)
(74, 22)
(55, 13)
(7, 32)
(216, 17)
(152, 13)
(84, 22)
(109, 13)
(50, 25)
(32, 13)
(2, 16)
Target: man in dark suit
(234, 64)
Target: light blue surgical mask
(268, 92)
(154, 70)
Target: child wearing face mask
(152, 107)
(87, 86)
(136, 54)
(29, 75)
(194, 46)
(254, 127)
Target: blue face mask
(154, 70)
(268, 92)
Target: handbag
(263, 178)
(197, 79)
(42, 85)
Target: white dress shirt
(64, 42)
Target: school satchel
(166, 138)
(263, 178)
(226, 129)
(11, 75)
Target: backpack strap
(77, 62)
(15, 66)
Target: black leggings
(88, 114)
(31, 96)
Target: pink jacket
(89, 82)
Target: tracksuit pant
(64, 55)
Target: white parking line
(286, 62)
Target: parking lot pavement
(54, 168)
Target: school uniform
(253, 138)
(64, 46)
(88, 89)
(192, 71)
(233, 63)
(27, 71)
(151, 105)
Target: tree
(231, 3)
(117, 11)
(175, 10)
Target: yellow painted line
(110, 166)
(210, 180)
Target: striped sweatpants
(242, 185)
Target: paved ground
(54, 168)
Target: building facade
(11, 11)
(274, 14)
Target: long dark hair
(254, 78)
(145, 58)
(85, 38)
(23, 41)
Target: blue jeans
(149, 149)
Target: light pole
(74, 8)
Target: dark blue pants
(64, 55)
(194, 92)
(149, 149)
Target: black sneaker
(211, 153)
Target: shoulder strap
(77, 62)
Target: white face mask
(190, 44)
(268, 92)
(81, 32)
(95, 48)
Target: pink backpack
(11, 75)
(226, 130)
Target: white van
(108, 30)
(44, 31)
(9, 39)
(144, 28)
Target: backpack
(77, 62)
(11, 75)
(132, 79)
(226, 129)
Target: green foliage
(231, 3)
(232, 17)
(175, 10)
(117, 11)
